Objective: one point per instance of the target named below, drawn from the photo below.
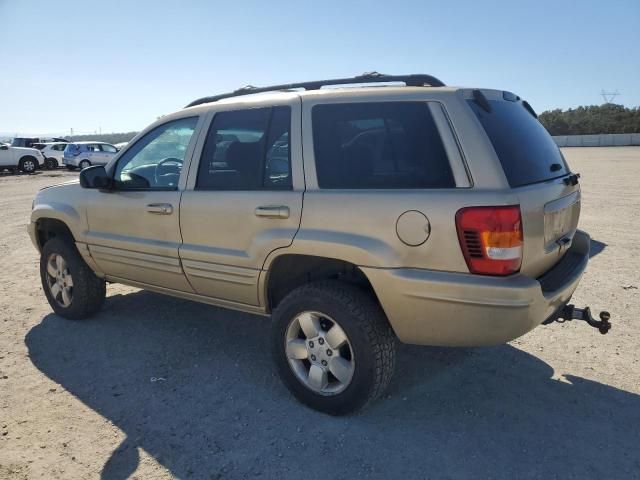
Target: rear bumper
(456, 309)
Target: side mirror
(95, 177)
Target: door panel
(226, 243)
(128, 241)
(6, 157)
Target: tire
(28, 165)
(87, 292)
(51, 163)
(84, 164)
(369, 338)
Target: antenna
(609, 96)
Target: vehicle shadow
(194, 387)
(596, 247)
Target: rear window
(379, 145)
(526, 151)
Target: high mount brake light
(491, 239)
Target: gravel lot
(155, 387)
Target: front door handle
(160, 208)
(272, 211)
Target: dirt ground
(155, 387)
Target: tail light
(491, 239)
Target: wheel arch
(47, 228)
(291, 270)
(50, 218)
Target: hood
(32, 151)
(60, 186)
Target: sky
(115, 66)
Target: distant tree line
(594, 119)
(105, 137)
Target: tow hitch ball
(570, 312)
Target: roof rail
(414, 80)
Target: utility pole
(609, 96)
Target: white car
(53, 153)
(27, 160)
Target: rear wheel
(333, 346)
(28, 164)
(85, 164)
(51, 163)
(71, 287)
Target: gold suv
(376, 208)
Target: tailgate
(550, 214)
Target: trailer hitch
(570, 312)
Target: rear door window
(526, 151)
(380, 145)
(108, 148)
(247, 150)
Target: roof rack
(414, 80)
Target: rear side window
(247, 150)
(108, 148)
(526, 151)
(379, 145)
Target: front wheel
(71, 287)
(333, 346)
(28, 165)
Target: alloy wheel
(319, 353)
(59, 280)
(29, 166)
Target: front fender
(63, 212)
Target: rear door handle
(160, 208)
(272, 211)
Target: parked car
(26, 160)
(120, 145)
(53, 153)
(434, 215)
(84, 154)
(29, 142)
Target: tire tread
(89, 290)
(370, 318)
